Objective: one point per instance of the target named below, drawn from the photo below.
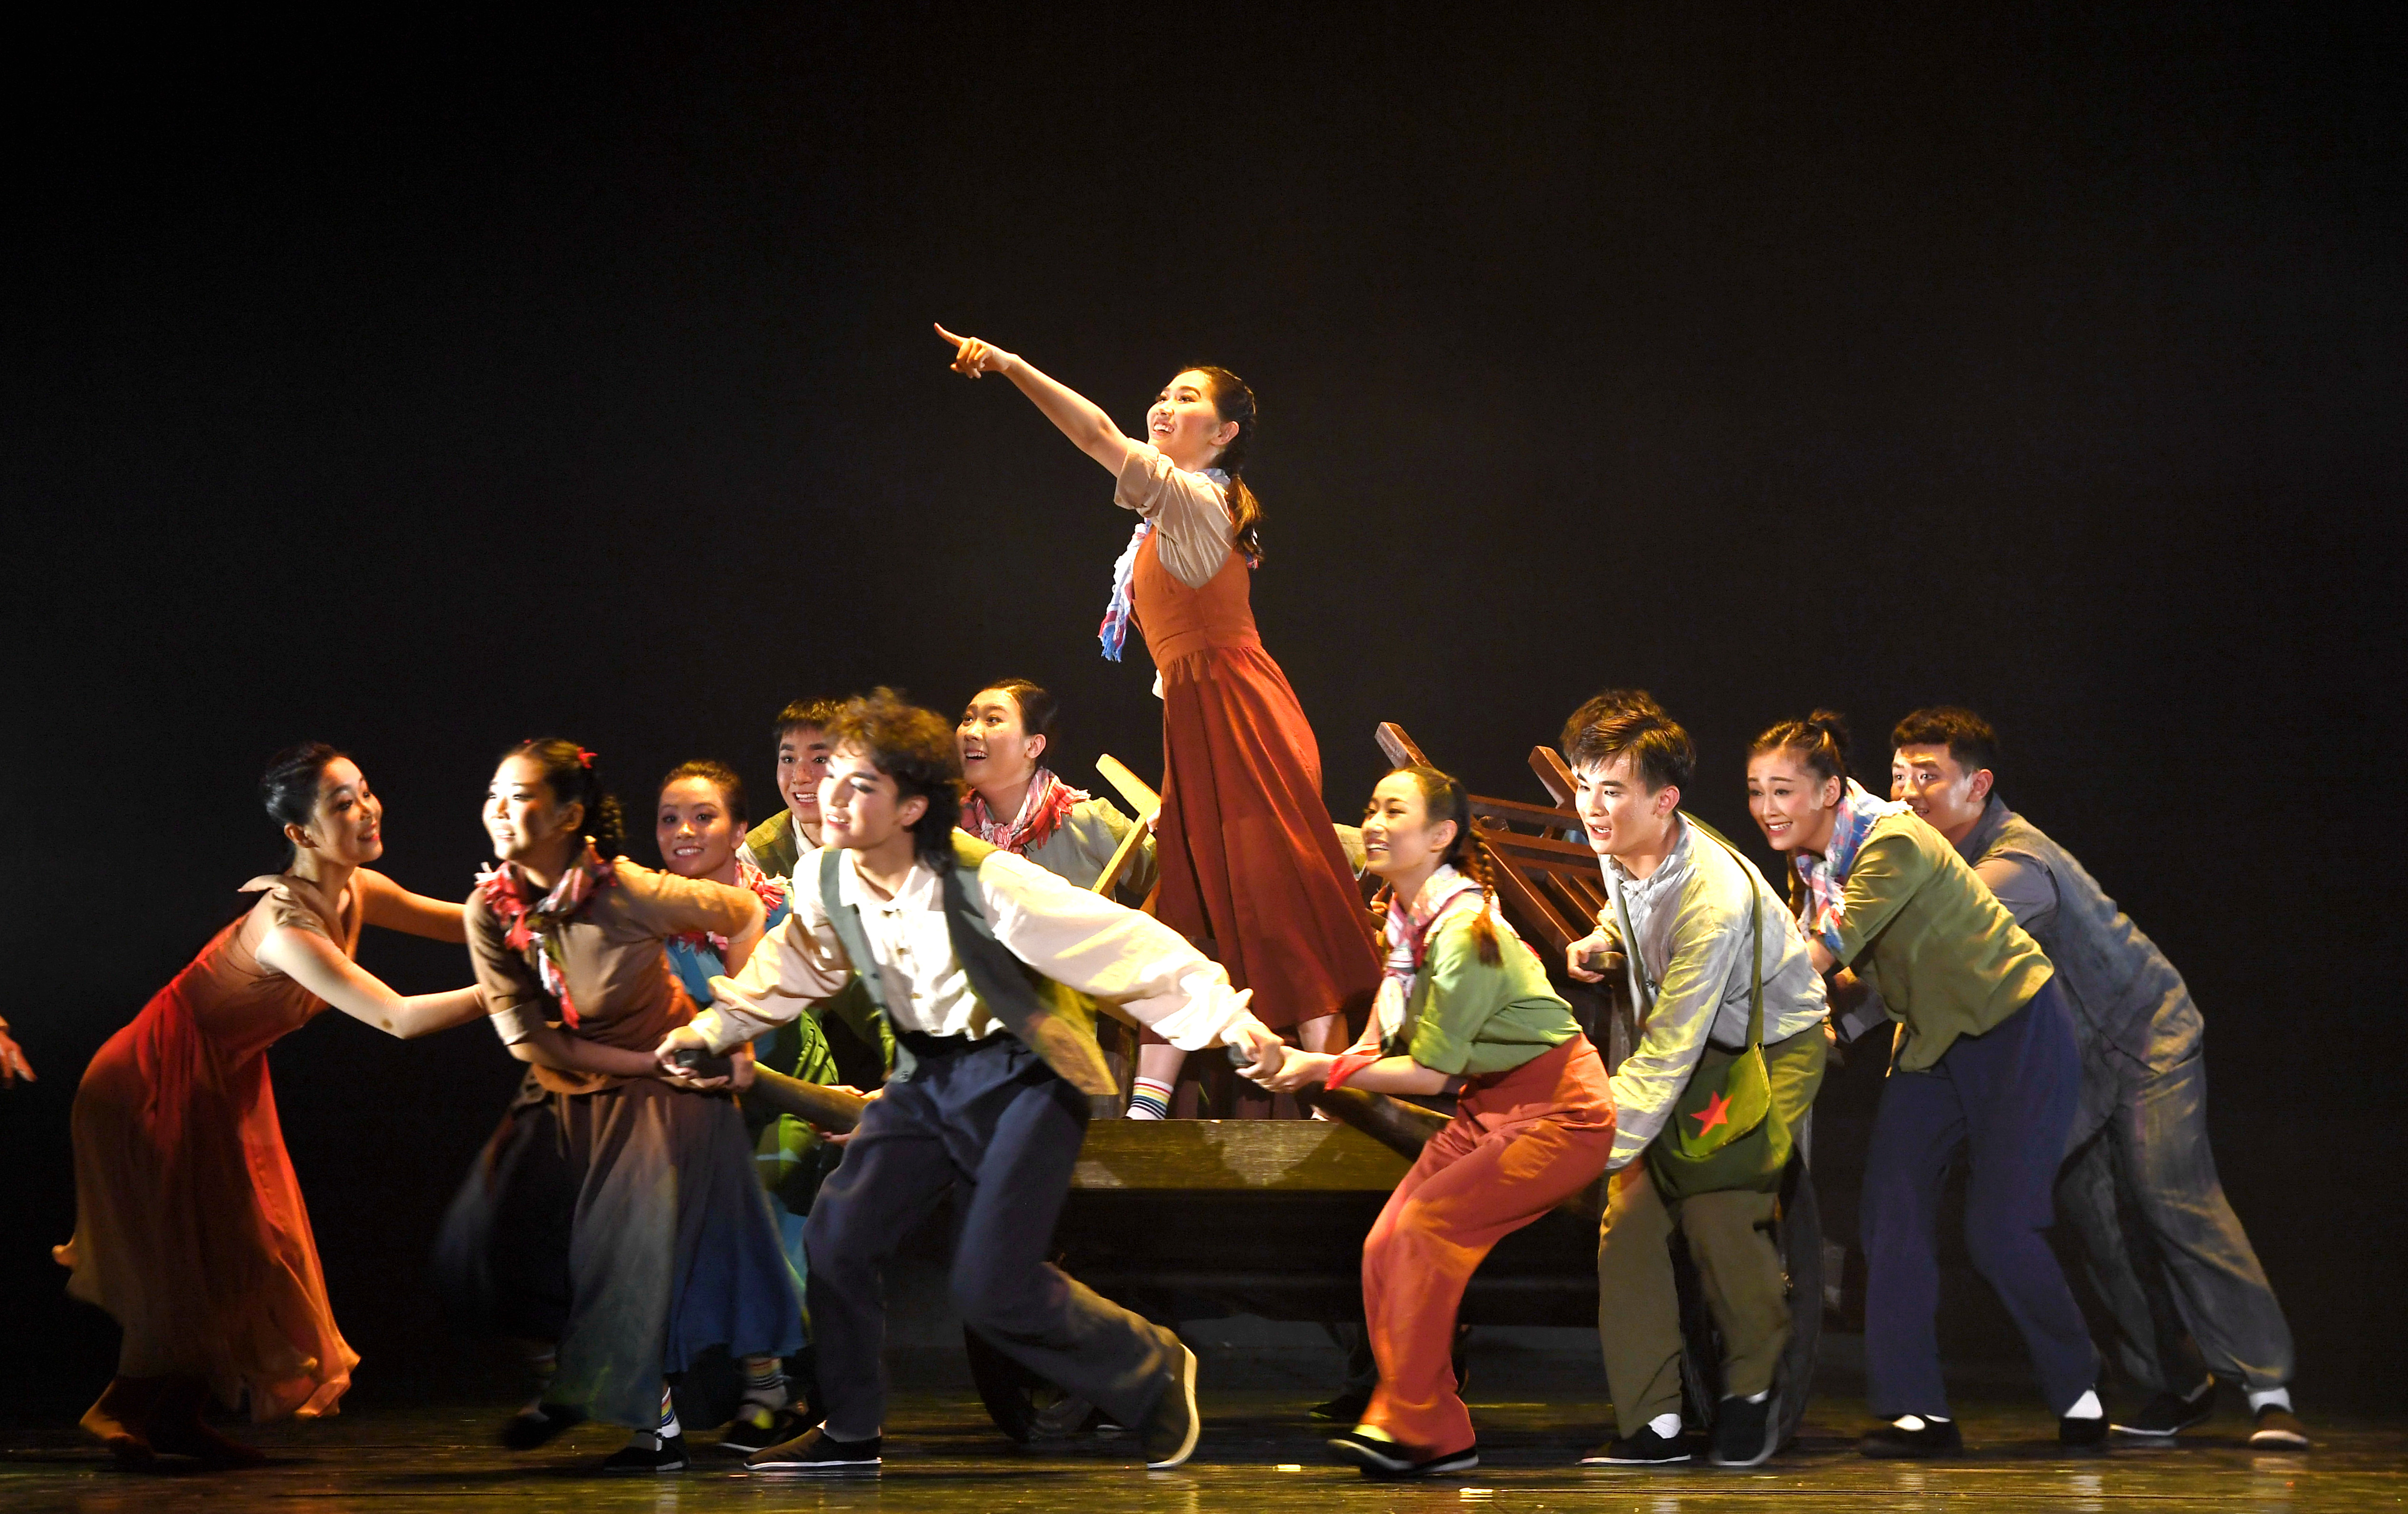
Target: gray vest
(1057, 1023)
(2123, 990)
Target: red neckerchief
(505, 890)
(1048, 804)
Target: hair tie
(584, 759)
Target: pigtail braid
(1483, 925)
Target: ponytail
(1233, 401)
(1443, 798)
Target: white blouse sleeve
(1190, 514)
(795, 965)
(1087, 942)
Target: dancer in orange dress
(189, 1223)
(1252, 871)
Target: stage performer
(1986, 1072)
(778, 844)
(190, 1227)
(1251, 870)
(968, 950)
(699, 825)
(1016, 803)
(2140, 1141)
(1685, 904)
(670, 1246)
(1465, 1008)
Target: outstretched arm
(386, 903)
(1081, 419)
(311, 960)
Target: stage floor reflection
(1259, 1454)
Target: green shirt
(1467, 1018)
(1945, 956)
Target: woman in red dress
(1252, 871)
(189, 1223)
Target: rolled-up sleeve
(1189, 512)
(798, 965)
(1108, 951)
(514, 998)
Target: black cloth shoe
(1937, 1437)
(758, 1429)
(2081, 1435)
(1742, 1432)
(1645, 1449)
(539, 1424)
(1387, 1459)
(2279, 1429)
(2167, 1415)
(669, 1457)
(1346, 1408)
(1168, 1435)
(815, 1453)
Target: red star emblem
(1718, 1112)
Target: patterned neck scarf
(1113, 633)
(747, 877)
(505, 890)
(1444, 895)
(1827, 876)
(1048, 804)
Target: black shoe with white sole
(1380, 1458)
(668, 1456)
(1743, 1432)
(1937, 1437)
(757, 1429)
(1645, 1449)
(2279, 1429)
(815, 1453)
(2081, 1435)
(2167, 1415)
(1168, 1435)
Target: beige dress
(190, 1227)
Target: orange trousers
(1521, 1142)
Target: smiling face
(524, 821)
(1622, 816)
(998, 752)
(347, 823)
(1184, 424)
(696, 832)
(1933, 783)
(803, 753)
(1790, 803)
(1399, 839)
(861, 809)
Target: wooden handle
(814, 1104)
(1131, 788)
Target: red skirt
(1252, 871)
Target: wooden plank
(1281, 1156)
(1554, 773)
(1400, 747)
(1538, 847)
(1140, 798)
(1547, 818)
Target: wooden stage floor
(1258, 1453)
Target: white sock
(2087, 1406)
(1911, 1423)
(1666, 1424)
(1758, 1398)
(1149, 1100)
(2270, 1398)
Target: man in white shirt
(978, 959)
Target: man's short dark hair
(1971, 742)
(805, 715)
(1628, 722)
(915, 748)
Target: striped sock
(764, 1385)
(1149, 1100)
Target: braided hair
(569, 773)
(1233, 401)
(1443, 798)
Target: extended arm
(311, 960)
(385, 903)
(1080, 418)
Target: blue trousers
(2002, 1103)
(992, 1127)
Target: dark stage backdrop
(423, 387)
